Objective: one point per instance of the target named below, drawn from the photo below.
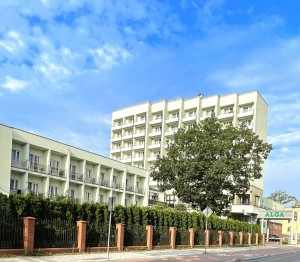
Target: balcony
(76, 176)
(139, 134)
(117, 127)
(128, 148)
(140, 191)
(170, 133)
(19, 163)
(104, 183)
(138, 147)
(226, 116)
(116, 186)
(154, 146)
(138, 159)
(130, 188)
(140, 122)
(172, 120)
(152, 134)
(246, 114)
(189, 119)
(117, 138)
(152, 159)
(57, 172)
(90, 180)
(128, 125)
(115, 150)
(155, 121)
(152, 202)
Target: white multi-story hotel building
(140, 133)
(29, 162)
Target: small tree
(208, 164)
(282, 197)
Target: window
(72, 193)
(142, 130)
(209, 112)
(14, 184)
(118, 146)
(142, 118)
(257, 198)
(247, 109)
(141, 154)
(129, 132)
(102, 176)
(127, 156)
(137, 185)
(158, 116)
(192, 113)
(170, 199)
(15, 155)
(87, 196)
(72, 169)
(228, 110)
(119, 123)
(247, 123)
(54, 164)
(88, 173)
(114, 180)
(33, 187)
(118, 158)
(119, 135)
(157, 141)
(156, 154)
(174, 128)
(245, 200)
(142, 142)
(53, 191)
(175, 115)
(129, 144)
(33, 159)
(158, 129)
(101, 199)
(130, 121)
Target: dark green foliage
(30, 205)
(207, 160)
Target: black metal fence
(135, 235)
(182, 236)
(214, 238)
(97, 235)
(200, 237)
(11, 233)
(161, 236)
(55, 233)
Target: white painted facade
(29, 162)
(139, 133)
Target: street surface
(274, 253)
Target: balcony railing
(116, 186)
(76, 176)
(57, 172)
(104, 183)
(140, 191)
(130, 188)
(91, 180)
(19, 163)
(37, 168)
(153, 202)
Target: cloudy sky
(66, 65)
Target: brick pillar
(28, 234)
(149, 230)
(120, 236)
(192, 237)
(256, 239)
(231, 236)
(263, 239)
(220, 238)
(81, 235)
(173, 237)
(249, 239)
(241, 238)
(207, 237)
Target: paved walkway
(196, 254)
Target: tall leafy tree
(282, 197)
(207, 164)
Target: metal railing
(11, 232)
(76, 176)
(55, 233)
(57, 172)
(182, 236)
(104, 183)
(97, 234)
(135, 235)
(161, 236)
(200, 237)
(19, 163)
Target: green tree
(282, 197)
(207, 164)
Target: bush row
(64, 208)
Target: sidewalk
(196, 254)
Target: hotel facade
(50, 169)
(140, 133)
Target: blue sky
(66, 65)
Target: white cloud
(287, 138)
(13, 84)
(49, 68)
(108, 56)
(13, 42)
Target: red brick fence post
(81, 235)
(120, 236)
(28, 234)
(173, 237)
(192, 237)
(149, 230)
